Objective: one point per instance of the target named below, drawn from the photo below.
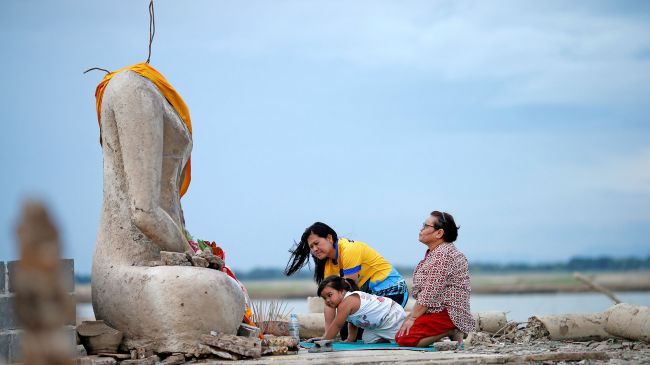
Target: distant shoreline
(521, 283)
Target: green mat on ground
(359, 345)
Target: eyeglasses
(424, 226)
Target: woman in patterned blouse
(441, 287)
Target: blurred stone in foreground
(42, 303)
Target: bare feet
(458, 336)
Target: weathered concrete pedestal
(167, 308)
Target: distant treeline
(575, 264)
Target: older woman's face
(428, 232)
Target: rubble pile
(205, 258)
(98, 345)
(531, 341)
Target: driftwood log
(624, 320)
(490, 322)
(629, 321)
(573, 326)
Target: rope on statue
(152, 28)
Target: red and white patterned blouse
(441, 281)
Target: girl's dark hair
(300, 252)
(337, 283)
(445, 221)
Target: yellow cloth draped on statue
(145, 70)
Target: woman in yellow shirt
(346, 258)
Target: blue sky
(529, 121)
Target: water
(517, 306)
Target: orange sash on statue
(145, 70)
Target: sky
(529, 121)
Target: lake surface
(517, 306)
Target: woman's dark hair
(337, 283)
(300, 252)
(445, 221)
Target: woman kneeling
(441, 287)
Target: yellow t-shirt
(357, 257)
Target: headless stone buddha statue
(146, 147)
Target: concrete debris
(203, 258)
(115, 356)
(276, 350)
(199, 261)
(95, 360)
(279, 345)
(531, 345)
(446, 345)
(81, 351)
(215, 262)
(222, 354)
(535, 330)
(97, 336)
(141, 353)
(151, 360)
(174, 359)
(278, 328)
(478, 339)
(286, 341)
(174, 258)
(245, 346)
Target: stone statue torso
(117, 232)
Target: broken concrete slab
(174, 359)
(97, 336)
(245, 346)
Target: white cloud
(534, 53)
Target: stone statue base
(167, 308)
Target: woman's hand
(406, 326)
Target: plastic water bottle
(294, 327)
